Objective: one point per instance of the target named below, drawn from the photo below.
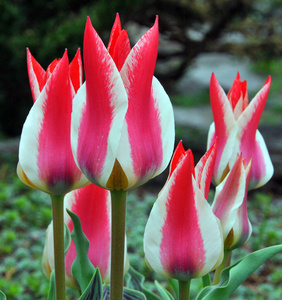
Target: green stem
(225, 263)
(117, 245)
(59, 255)
(206, 280)
(184, 290)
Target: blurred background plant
(239, 30)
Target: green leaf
(128, 294)
(2, 296)
(234, 275)
(135, 280)
(94, 290)
(67, 238)
(175, 286)
(82, 268)
(106, 292)
(165, 295)
(52, 287)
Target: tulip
(235, 126)
(45, 156)
(122, 121)
(183, 238)
(46, 161)
(122, 124)
(92, 204)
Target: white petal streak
(210, 231)
(79, 103)
(153, 231)
(29, 145)
(166, 119)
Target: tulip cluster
(235, 126)
(87, 144)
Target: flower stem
(225, 263)
(184, 290)
(117, 244)
(58, 229)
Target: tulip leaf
(67, 238)
(106, 292)
(2, 296)
(165, 295)
(82, 268)
(135, 280)
(94, 290)
(128, 294)
(52, 287)
(234, 275)
(175, 286)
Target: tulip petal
(229, 196)
(238, 96)
(99, 109)
(242, 228)
(204, 170)
(177, 157)
(225, 128)
(251, 143)
(36, 75)
(149, 112)
(47, 128)
(76, 72)
(121, 50)
(116, 30)
(119, 45)
(182, 237)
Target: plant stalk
(59, 255)
(117, 243)
(225, 263)
(184, 290)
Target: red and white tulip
(92, 204)
(122, 121)
(45, 156)
(183, 238)
(236, 129)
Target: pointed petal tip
(157, 19)
(28, 54)
(268, 81)
(117, 17)
(180, 144)
(65, 57)
(156, 24)
(213, 80)
(117, 23)
(78, 53)
(88, 23)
